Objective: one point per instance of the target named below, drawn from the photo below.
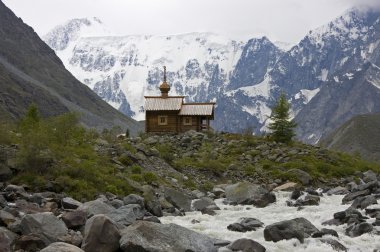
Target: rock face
(359, 229)
(61, 247)
(46, 225)
(148, 236)
(298, 228)
(246, 194)
(101, 235)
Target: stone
(48, 226)
(369, 176)
(359, 229)
(299, 228)
(6, 218)
(116, 203)
(148, 236)
(152, 203)
(101, 234)
(334, 244)
(246, 194)
(245, 224)
(301, 175)
(339, 190)
(73, 237)
(203, 203)
(295, 194)
(31, 242)
(5, 243)
(152, 219)
(308, 200)
(61, 247)
(246, 245)
(290, 186)
(11, 236)
(126, 215)
(134, 199)
(75, 219)
(178, 199)
(324, 231)
(70, 203)
(96, 207)
(364, 202)
(218, 192)
(351, 196)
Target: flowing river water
(216, 226)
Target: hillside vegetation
(60, 155)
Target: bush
(166, 152)
(150, 177)
(136, 169)
(136, 177)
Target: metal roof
(159, 103)
(197, 109)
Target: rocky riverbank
(49, 221)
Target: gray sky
(283, 20)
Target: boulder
(359, 229)
(203, 203)
(351, 196)
(126, 215)
(6, 218)
(9, 234)
(295, 194)
(148, 236)
(301, 176)
(308, 200)
(70, 203)
(178, 199)
(101, 234)
(290, 186)
(73, 237)
(31, 242)
(152, 203)
(246, 193)
(369, 176)
(299, 228)
(245, 224)
(364, 202)
(61, 247)
(339, 190)
(48, 226)
(246, 245)
(323, 232)
(337, 246)
(96, 207)
(74, 219)
(134, 199)
(5, 243)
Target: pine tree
(282, 127)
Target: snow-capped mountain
(244, 78)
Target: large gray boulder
(351, 196)
(74, 219)
(178, 199)
(301, 176)
(134, 199)
(5, 243)
(145, 236)
(70, 203)
(246, 194)
(359, 229)
(245, 224)
(61, 247)
(246, 245)
(101, 234)
(46, 225)
(152, 203)
(126, 215)
(203, 203)
(298, 228)
(96, 207)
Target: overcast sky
(280, 20)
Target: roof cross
(164, 73)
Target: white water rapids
(216, 226)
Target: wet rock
(49, 227)
(101, 234)
(218, 192)
(308, 200)
(324, 231)
(61, 247)
(203, 203)
(70, 203)
(246, 194)
(151, 219)
(359, 229)
(349, 216)
(246, 245)
(369, 176)
(245, 224)
(351, 196)
(149, 236)
(364, 202)
(75, 219)
(295, 194)
(334, 244)
(178, 199)
(299, 228)
(301, 175)
(210, 210)
(126, 215)
(368, 186)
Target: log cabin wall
(152, 124)
(195, 123)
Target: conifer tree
(282, 127)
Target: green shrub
(150, 177)
(166, 152)
(136, 177)
(136, 169)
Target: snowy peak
(61, 36)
